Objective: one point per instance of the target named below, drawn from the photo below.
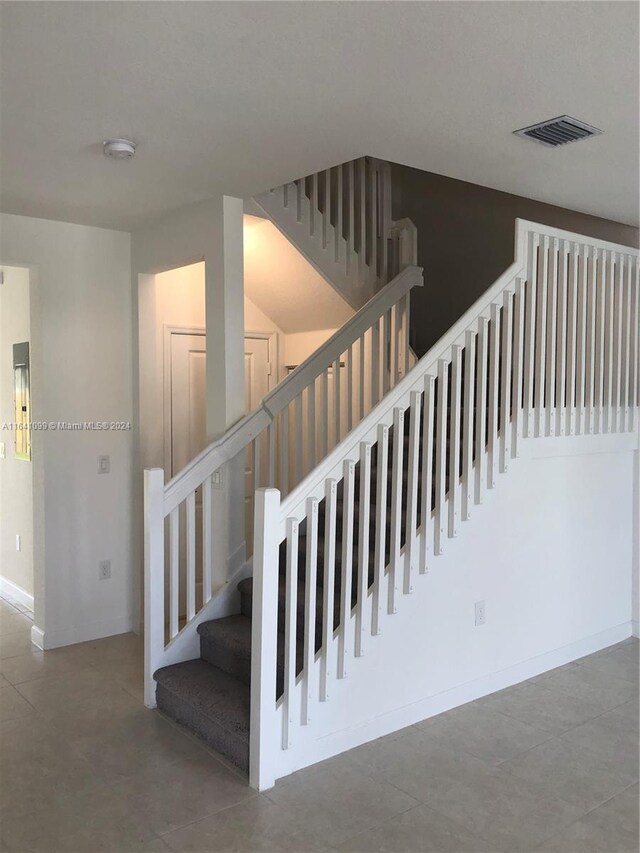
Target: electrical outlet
(104, 464)
(3, 450)
(104, 570)
(216, 479)
(481, 616)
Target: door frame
(272, 339)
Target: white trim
(37, 637)
(400, 718)
(272, 339)
(9, 589)
(82, 633)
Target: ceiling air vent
(558, 131)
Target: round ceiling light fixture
(119, 149)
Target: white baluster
(572, 337)
(347, 566)
(494, 365)
(207, 542)
(518, 366)
(454, 439)
(427, 472)
(590, 346)
(541, 335)
(530, 335)
(290, 631)
(561, 350)
(481, 407)
(382, 461)
(441, 455)
(329, 574)
(364, 510)
(505, 381)
(396, 507)
(191, 556)
(467, 425)
(550, 369)
(310, 589)
(412, 490)
(174, 572)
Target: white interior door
(188, 399)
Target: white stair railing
(341, 220)
(550, 349)
(190, 521)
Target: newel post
(153, 579)
(264, 739)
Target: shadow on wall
(466, 240)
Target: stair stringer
(329, 255)
(552, 560)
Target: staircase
(212, 695)
(358, 493)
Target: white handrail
(248, 428)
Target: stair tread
(209, 691)
(233, 631)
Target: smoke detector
(119, 149)
(558, 131)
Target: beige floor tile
(591, 685)
(571, 773)
(419, 829)
(611, 737)
(185, 792)
(507, 812)
(630, 710)
(335, 802)
(413, 762)
(16, 643)
(256, 826)
(6, 610)
(549, 710)
(13, 705)
(73, 824)
(72, 690)
(33, 665)
(144, 746)
(611, 828)
(487, 735)
(621, 663)
(16, 622)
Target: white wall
(550, 553)
(81, 371)
(16, 481)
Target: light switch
(104, 464)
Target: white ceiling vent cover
(558, 131)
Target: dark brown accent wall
(466, 239)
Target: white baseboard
(10, 589)
(37, 637)
(400, 718)
(80, 633)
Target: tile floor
(549, 765)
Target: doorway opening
(17, 586)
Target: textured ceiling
(238, 96)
